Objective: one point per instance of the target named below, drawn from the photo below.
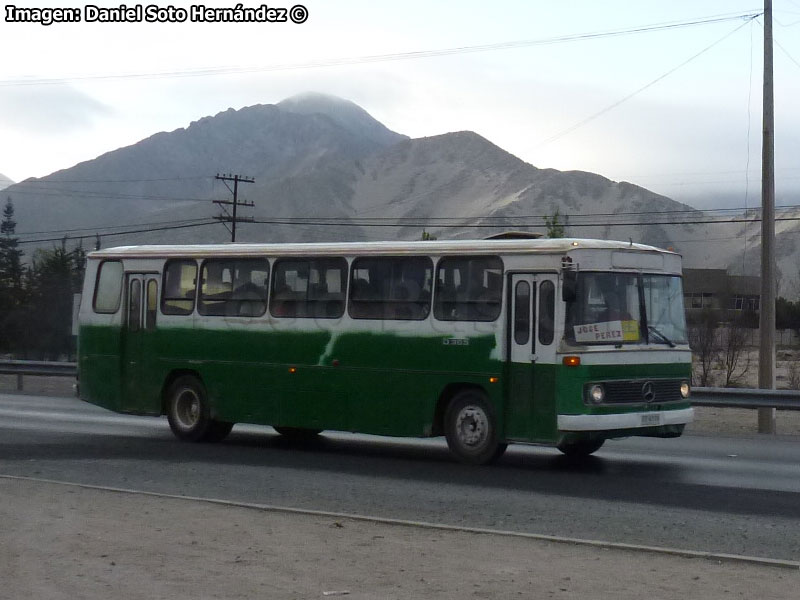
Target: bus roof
(440, 247)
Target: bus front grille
(639, 391)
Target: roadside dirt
(65, 542)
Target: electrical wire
(690, 216)
(611, 107)
(117, 233)
(749, 123)
(335, 62)
(95, 228)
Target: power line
(747, 147)
(690, 218)
(113, 234)
(424, 223)
(641, 89)
(214, 71)
(94, 228)
(785, 51)
(97, 195)
(306, 223)
(138, 180)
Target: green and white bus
(567, 342)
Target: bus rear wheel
(471, 429)
(580, 449)
(189, 414)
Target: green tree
(55, 276)
(555, 228)
(426, 237)
(703, 334)
(12, 293)
(787, 314)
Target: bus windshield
(626, 308)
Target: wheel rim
(472, 427)
(187, 409)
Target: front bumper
(634, 420)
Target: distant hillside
(5, 182)
(326, 170)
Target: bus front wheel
(471, 429)
(189, 414)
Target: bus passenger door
(521, 347)
(545, 369)
(139, 386)
(530, 404)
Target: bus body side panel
(393, 381)
(383, 383)
(232, 365)
(99, 362)
(99, 345)
(531, 402)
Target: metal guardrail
(745, 398)
(40, 368)
(701, 396)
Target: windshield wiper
(665, 339)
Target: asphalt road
(738, 495)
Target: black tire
(218, 431)
(189, 414)
(298, 433)
(471, 428)
(580, 449)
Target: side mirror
(569, 290)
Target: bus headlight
(597, 394)
(685, 390)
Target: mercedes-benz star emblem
(648, 393)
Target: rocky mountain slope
(325, 169)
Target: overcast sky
(685, 136)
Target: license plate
(649, 420)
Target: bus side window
(108, 288)
(468, 288)
(547, 309)
(397, 288)
(135, 305)
(522, 313)
(178, 287)
(309, 288)
(233, 287)
(151, 304)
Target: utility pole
(766, 355)
(233, 218)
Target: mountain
(346, 114)
(326, 170)
(5, 182)
(170, 176)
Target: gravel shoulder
(68, 542)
